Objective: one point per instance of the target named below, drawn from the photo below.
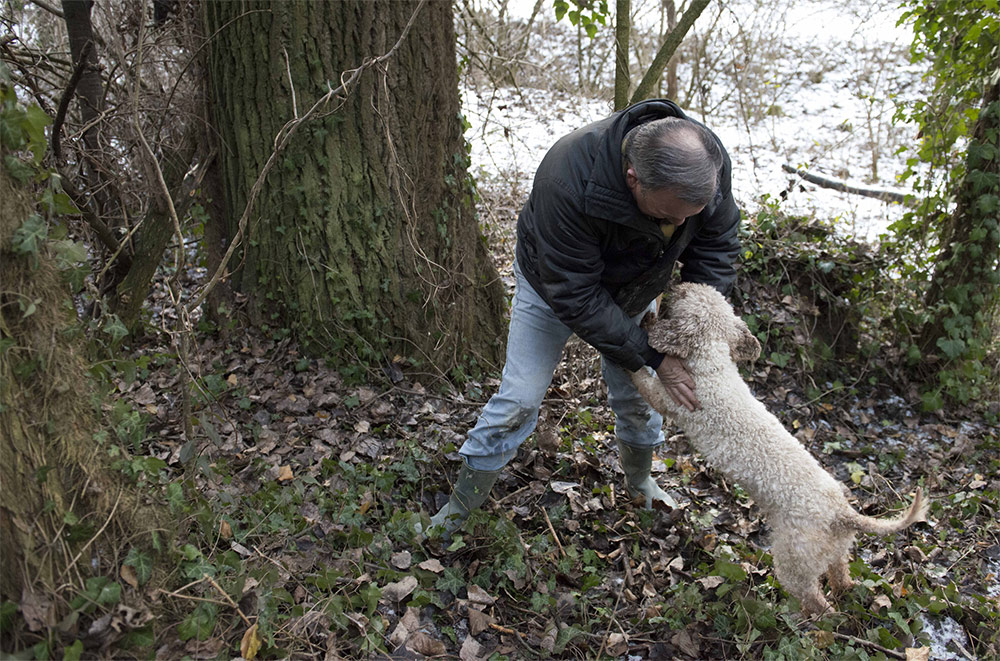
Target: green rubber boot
(637, 462)
(471, 490)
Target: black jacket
(596, 259)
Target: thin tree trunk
(623, 26)
(670, 44)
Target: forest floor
(299, 493)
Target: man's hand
(678, 383)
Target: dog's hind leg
(796, 569)
(839, 576)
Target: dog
(813, 526)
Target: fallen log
(844, 187)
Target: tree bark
(623, 26)
(966, 280)
(56, 486)
(363, 239)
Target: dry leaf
(409, 623)
(400, 589)
(128, 575)
(478, 621)
(38, 612)
(285, 473)
(686, 643)
(231, 379)
(918, 653)
(548, 641)
(432, 565)
(250, 644)
(225, 530)
(362, 426)
(477, 595)
(882, 601)
(401, 560)
(421, 643)
(471, 650)
(616, 645)
(710, 582)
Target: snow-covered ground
(819, 92)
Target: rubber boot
(637, 462)
(471, 490)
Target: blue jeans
(535, 345)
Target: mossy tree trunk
(57, 489)
(364, 238)
(965, 289)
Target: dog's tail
(917, 512)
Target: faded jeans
(535, 345)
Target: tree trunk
(965, 289)
(623, 26)
(56, 486)
(670, 44)
(363, 239)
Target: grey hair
(677, 155)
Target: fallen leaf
(432, 565)
(471, 650)
(409, 623)
(616, 645)
(477, 595)
(548, 640)
(401, 560)
(400, 589)
(711, 582)
(478, 621)
(686, 643)
(285, 473)
(250, 644)
(225, 530)
(231, 379)
(421, 643)
(128, 575)
(882, 601)
(918, 653)
(38, 612)
(362, 426)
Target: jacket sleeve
(711, 255)
(570, 265)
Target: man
(613, 206)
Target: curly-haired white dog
(813, 525)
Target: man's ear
(743, 347)
(674, 336)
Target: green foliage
(952, 240)
(584, 13)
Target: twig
(229, 599)
(47, 7)
(280, 142)
(86, 546)
(607, 632)
(844, 187)
(67, 96)
(868, 643)
(552, 530)
(503, 629)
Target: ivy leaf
(199, 623)
(29, 237)
(951, 348)
(34, 122)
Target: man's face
(661, 205)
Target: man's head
(672, 168)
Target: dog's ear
(743, 347)
(675, 336)
(648, 321)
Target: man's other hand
(678, 383)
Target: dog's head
(695, 316)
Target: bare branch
(844, 187)
(47, 7)
(670, 45)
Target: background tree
(62, 506)
(956, 171)
(363, 238)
